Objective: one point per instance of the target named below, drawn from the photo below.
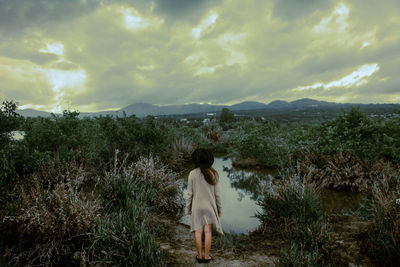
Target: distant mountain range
(143, 109)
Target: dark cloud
(188, 10)
(17, 16)
(294, 9)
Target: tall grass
(64, 214)
(53, 218)
(383, 236)
(292, 212)
(129, 193)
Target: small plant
(297, 256)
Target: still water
(239, 193)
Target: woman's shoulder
(194, 172)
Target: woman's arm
(218, 199)
(189, 196)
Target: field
(106, 190)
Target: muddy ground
(179, 248)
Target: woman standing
(203, 202)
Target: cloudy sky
(100, 55)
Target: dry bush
(214, 135)
(292, 212)
(183, 147)
(343, 171)
(182, 150)
(168, 197)
(53, 218)
(383, 236)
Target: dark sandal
(199, 260)
(207, 260)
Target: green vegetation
(293, 214)
(382, 240)
(85, 191)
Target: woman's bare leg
(197, 240)
(207, 240)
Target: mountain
(33, 113)
(308, 102)
(143, 109)
(278, 104)
(248, 105)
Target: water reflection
(238, 197)
(241, 189)
(251, 182)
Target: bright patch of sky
(62, 81)
(336, 21)
(135, 21)
(355, 79)
(230, 42)
(205, 24)
(54, 48)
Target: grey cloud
(17, 16)
(188, 10)
(294, 9)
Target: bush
(356, 133)
(261, 142)
(122, 237)
(383, 236)
(343, 171)
(167, 197)
(53, 219)
(292, 212)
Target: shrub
(53, 220)
(383, 236)
(262, 142)
(168, 198)
(122, 237)
(292, 212)
(343, 171)
(182, 150)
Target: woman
(203, 202)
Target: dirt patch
(348, 234)
(181, 251)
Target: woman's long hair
(210, 175)
(203, 159)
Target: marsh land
(300, 189)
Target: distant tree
(9, 119)
(227, 116)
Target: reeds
(53, 218)
(292, 212)
(383, 235)
(343, 171)
(67, 215)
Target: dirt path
(181, 251)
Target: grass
(64, 214)
(382, 240)
(292, 212)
